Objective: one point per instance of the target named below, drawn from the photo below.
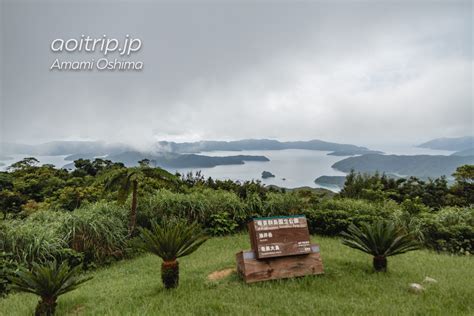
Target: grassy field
(349, 286)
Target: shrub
(98, 231)
(380, 239)
(7, 268)
(278, 204)
(221, 224)
(198, 205)
(93, 233)
(353, 205)
(48, 281)
(450, 229)
(38, 238)
(171, 240)
(331, 217)
(254, 205)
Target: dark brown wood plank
(252, 269)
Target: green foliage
(451, 229)
(464, 174)
(98, 231)
(124, 179)
(364, 186)
(222, 201)
(172, 239)
(7, 268)
(381, 239)
(463, 189)
(197, 205)
(48, 281)
(434, 193)
(10, 202)
(94, 233)
(277, 203)
(38, 238)
(74, 196)
(221, 224)
(254, 205)
(331, 217)
(127, 180)
(414, 207)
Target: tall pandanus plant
(171, 240)
(381, 239)
(48, 281)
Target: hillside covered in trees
(422, 166)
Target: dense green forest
(88, 216)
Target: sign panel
(279, 236)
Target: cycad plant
(172, 240)
(381, 239)
(48, 281)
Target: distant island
(170, 161)
(89, 156)
(336, 149)
(464, 153)
(267, 174)
(455, 143)
(422, 166)
(353, 152)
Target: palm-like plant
(381, 239)
(48, 281)
(126, 181)
(170, 241)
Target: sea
(293, 168)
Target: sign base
(252, 269)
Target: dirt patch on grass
(220, 274)
(77, 310)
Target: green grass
(349, 286)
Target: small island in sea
(331, 181)
(267, 174)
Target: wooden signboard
(252, 269)
(279, 236)
(281, 248)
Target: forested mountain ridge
(263, 144)
(99, 148)
(465, 152)
(445, 143)
(422, 166)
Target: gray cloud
(362, 72)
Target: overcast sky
(352, 72)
